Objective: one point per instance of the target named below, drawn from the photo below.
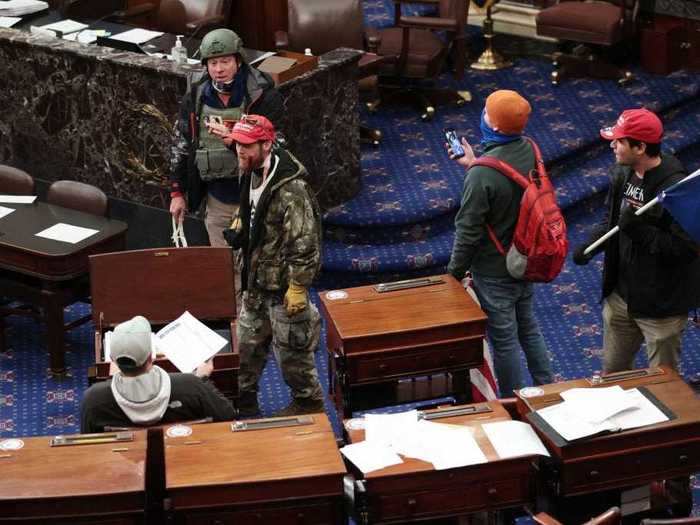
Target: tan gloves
(296, 298)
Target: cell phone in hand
(454, 142)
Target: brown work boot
(300, 406)
(248, 404)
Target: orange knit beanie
(508, 111)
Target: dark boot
(300, 406)
(248, 404)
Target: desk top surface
(667, 387)
(474, 422)
(363, 311)
(40, 471)
(213, 455)
(18, 229)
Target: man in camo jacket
(279, 235)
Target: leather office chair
(15, 181)
(589, 22)
(91, 10)
(78, 196)
(611, 516)
(324, 25)
(420, 53)
(182, 17)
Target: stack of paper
(589, 411)
(137, 36)
(8, 21)
(64, 27)
(21, 7)
(17, 199)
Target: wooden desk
(378, 337)
(51, 274)
(74, 484)
(629, 458)
(287, 475)
(413, 490)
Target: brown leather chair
(588, 23)
(15, 181)
(182, 17)
(90, 10)
(325, 25)
(419, 53)
(78, 196)
(611, 516)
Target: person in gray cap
(204, 168)
(142, 394)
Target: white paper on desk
(514, 438)
(569, 424)
(5, 211)
(64, 26)
(385, 429)
(85, 37)
(451, 446)
(137, 36)
(67, 233)
(597, 404)
(107, 345)
(17, 199)
(369, 457)
(9, 21)
(644, 413)
(187, 342)
(262, 57)
(22, 7)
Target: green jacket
(284, 243)
(488, 197)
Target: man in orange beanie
(489, 198)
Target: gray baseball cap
(131, 343)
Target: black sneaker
(301, 406)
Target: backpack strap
(509, 171)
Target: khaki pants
(623, 335)
(217, 218)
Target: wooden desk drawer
(313, 514)
(437, 358)
(628, 469)
(450, 502)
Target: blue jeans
(511, 323)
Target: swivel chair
(15, 181)
(181, 17)
(605, 23)
(324, 25)
(419, 53)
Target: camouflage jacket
(284, 243)
(261, 98)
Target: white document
(369, 457)
(4, 211)
(137, 36)
(86, 37)
(385, 429)
(107, 345)
(17, 199)
(262, 57)
(8, 21)
(597, 404)
(67, 233)
(645, 412)
(514, 438)
(22, 7)
(187, 342)
(64, 26)
(451, 445)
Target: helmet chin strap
(223, 87)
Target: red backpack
(539, 246)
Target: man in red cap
(279, 235)
(651, 272)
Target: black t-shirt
(632, 196)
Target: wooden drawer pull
(493, 492)
(594, 474)
(683, 459)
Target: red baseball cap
(638, 124)
(253, 128)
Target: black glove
(580, 258)
(234, 238)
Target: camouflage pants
(263, 325)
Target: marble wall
(105, 117)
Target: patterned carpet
(401, 225)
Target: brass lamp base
(490, 60)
